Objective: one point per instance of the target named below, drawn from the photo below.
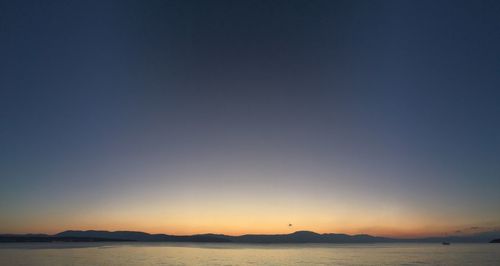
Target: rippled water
(242, 254)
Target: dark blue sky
(391, 106)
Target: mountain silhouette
(296, 237)
(141, 236)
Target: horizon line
(265, 234)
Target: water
(243, 254)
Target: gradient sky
(183, 117)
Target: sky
(235, 117)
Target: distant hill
(141, 236)
(307, 237)
(46, 238)
(495, 240)
(296, 237)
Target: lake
(247, 254)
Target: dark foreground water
(241, 254)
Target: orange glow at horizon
(234, 223)
(235, 231)
(259, 205)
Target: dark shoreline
(293, 238)
(55, 239)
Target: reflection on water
(241, 254)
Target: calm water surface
(242, 254)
